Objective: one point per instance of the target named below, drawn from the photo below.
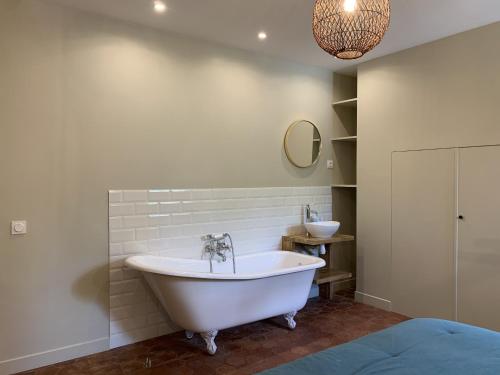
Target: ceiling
(288, 23)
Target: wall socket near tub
(329, 164)
(18, 227)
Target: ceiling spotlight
(262, 35)
(159, 6)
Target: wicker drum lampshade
(347, 29)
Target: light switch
(18, 227)
(329, 164)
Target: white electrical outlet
(329, 164)
(18, 227)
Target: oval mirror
(303, 144)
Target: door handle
(460, 217)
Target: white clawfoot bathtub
(266, 284)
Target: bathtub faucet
(220, 245)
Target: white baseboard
(66, 353)
(373, 301)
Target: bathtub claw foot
(209, 338)
(189, 334)
(289, 319)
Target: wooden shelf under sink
(326, 275)
(311, 241)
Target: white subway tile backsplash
(168, 222)
(120, 287)
(136, 221)
(115, 222)
(303, 200)
(201, 194)
(147, 208)
(121, 209)
(292, 201)
(229, 193)
(201, 217)
(181, 253)
(115, 275)
(178, 219)
(180, 195)
(185, 242)
(115, 249)
(120, 313)
(121, 300)
(202, 205)
(159, 244)
(135, 247)
(171, 231)
(159, 195)
(135, 195)
(128, 274)
(246, 203)
(321, 199)
(156, 318)
(158, 220)
(256, 192)
(147, 233)
(121, 235)
(228, 204)
(117, 261)
(170, 207)
(282, 191)
(192, 230)
(115, 196)
(301, 191)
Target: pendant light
(347, 29)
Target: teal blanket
(418, 346)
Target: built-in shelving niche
(344, 188)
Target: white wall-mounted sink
(323, 229)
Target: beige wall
(88, 104)
(443, 94)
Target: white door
(423, 233)
(479, 237)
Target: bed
(418, 346)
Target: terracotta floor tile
(242, 350)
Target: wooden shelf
(324, 276)
(311, 241)
(345, 186)
(352, 103)
(345, 139)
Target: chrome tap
(217, 245)
(312, 216)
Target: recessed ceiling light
(159, 6)
(262, 35)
